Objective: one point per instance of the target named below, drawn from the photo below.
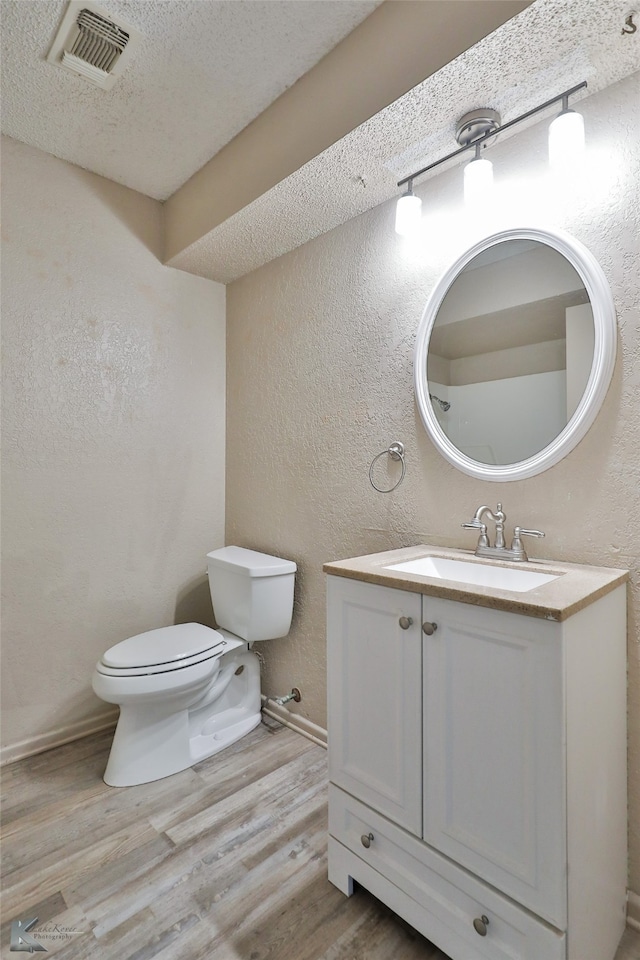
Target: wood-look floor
(226, 861)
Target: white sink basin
(478, 574)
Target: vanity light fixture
(408, 212)
(474, 130)
(478, 173)
(566, 139)
(478, 180)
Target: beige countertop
(576, 587)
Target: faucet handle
(475, 524)
(521, 532)
(517, 550)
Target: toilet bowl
(186, 692)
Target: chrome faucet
(498, 551)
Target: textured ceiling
(549, 47)
(204, 69)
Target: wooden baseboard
(55, 738)
(300, 724)
(633, 910)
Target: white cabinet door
(494, 784)
(374, 658)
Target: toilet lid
(163, 646)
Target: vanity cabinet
(478, 770)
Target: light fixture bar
(564, 97)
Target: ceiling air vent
(92, 44)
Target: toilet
(186, 692)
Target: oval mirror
(514, 354)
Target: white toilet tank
(252, 593)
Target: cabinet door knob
(429, 628)
(405, 622)
(480, 925)
(366, 839)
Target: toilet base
(152, 742)
(206, 745)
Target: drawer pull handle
(429, 628)
(366, 839)
(480, 925)
(405, 622)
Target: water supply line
(294, 695)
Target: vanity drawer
(429, 891)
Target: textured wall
(113, 434)
(319, 366)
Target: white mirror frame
(604, 357)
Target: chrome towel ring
(396, 452)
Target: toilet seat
(164, 650)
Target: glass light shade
(566, 140)
(408, 215)
(478, 181)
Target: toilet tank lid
(250, 562)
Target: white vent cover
(92, 44)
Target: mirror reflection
(510, 352)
